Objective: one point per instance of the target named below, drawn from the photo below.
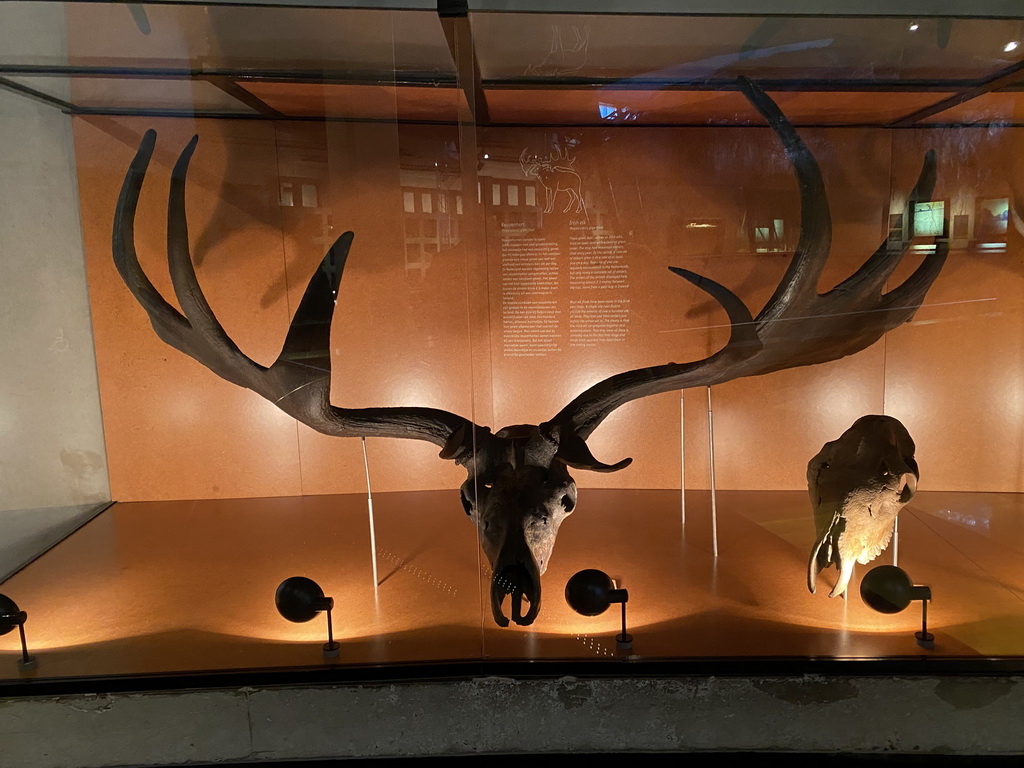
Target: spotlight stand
(331, 648)
(889, 589)
(624, 640)
(11, 617)
(591, 592)
(300, 599)
(924, 638)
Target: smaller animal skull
(857, 485)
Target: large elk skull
(858, 483)
(518, 490)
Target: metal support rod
(896, 542)
(373, 527)
(623, 604)
(714, 504)
(682, 461)
(25, 658)
(331, 648)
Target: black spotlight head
(9, 614)
(300, 599)
(886, 589)
(589, 592)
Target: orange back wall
(440, 292)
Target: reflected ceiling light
(1011, 46)
(590, 592)
(300, 599)
(486, 156)
(888, 589)
(914, 26)
(10, 617)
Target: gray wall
(52, 464)
(800, 714)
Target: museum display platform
(184, 587)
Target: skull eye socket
(467, 503)
(568, 504)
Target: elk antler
(299, 381)
(798, 326)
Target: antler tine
(590, 408)
(799, 286)
(299, 381)
(166, 320)
(193, 302)
(910, 293)
(873, 273)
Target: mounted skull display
(857, 485)
(519, 490)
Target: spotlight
(888, 589)
(10, 617)
(914, 26)
(300, 599)
(1011, 46)
(590, 592)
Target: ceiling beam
(1011, 76)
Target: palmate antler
(518, 490)
(299, 381)
(798, 326)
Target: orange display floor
(188, 586)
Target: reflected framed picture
(961, 226)
(991, 217)
(895, 227)
(930, 218)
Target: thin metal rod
(623, 604)
(924, 619)
(369, 510)
(25, 658)
(896, 541)
(711, 457)
(330, 630)
(682, 461)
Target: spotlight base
(27, 664)
(925, 639)
(624, 642)
(332, 650)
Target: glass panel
(265, 499)
(650, 191)
(655, 48)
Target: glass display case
(385, 299)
